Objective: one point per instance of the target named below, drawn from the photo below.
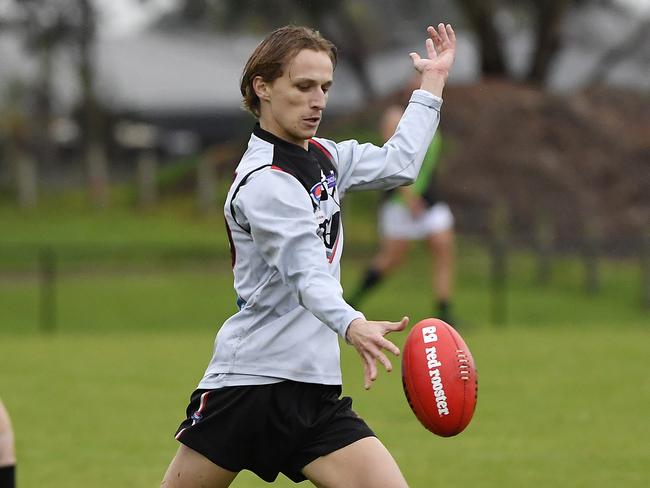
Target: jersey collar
(275, 140)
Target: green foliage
(179, 175)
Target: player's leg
(441, 245)
(390, 256)
(365, 463)
(396, 227)
(189, 469)
(7, 451)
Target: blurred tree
(548, 17)
(94, 149)
(46, 26)
(637, 38)
(14, 128)
(42, 31)
(362, 27)
(545, 19)
(481, 17)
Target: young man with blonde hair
(269, 400)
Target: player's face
(292, 105)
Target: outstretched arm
(398, 161)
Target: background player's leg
(189, 469)
(365, 463)
(441, 245)
(390, 256)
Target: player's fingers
(389, 346)
(434, 35)
(442, 32)
(450, 33)
(381, 357)
(366, 370)
(431, 50)
(415, 57)
(402, 323)
(395, 326)
(370, 370)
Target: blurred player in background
(7, 451)
(409, 213)
(270, 400)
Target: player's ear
(261, 88)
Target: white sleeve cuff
(427, 99)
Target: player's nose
(319, 100)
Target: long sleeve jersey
(283, 217)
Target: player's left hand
(441, 51)
(368, 339)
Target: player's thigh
(189, 469)
(365, 463)
(441, 243)
(392, 253)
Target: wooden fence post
(147, 183)
(590, 252)
(206, 181)
(47, 308)
(97, 166)
(544, 243)
(644, 255)
(499, 263)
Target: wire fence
(48, 265)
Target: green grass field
(563, 398)
(557, 407)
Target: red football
(439, 377)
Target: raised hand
(368, 339)
(441, 50)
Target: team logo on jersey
(324, 189)
(329, 232)
(327, 212)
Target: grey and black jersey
(283, 214)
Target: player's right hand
(368, 339)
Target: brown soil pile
(580, 162)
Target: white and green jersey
(284, 223)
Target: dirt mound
(579, 162)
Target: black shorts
(270, 429)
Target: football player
(270, 400)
